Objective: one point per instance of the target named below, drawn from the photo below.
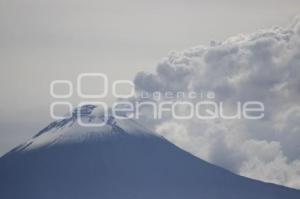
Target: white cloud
(263, 66)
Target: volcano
(120, 160)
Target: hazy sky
(45, 40)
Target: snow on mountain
(120, 160)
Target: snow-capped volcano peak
(119, 160)
(86, 113)
(71, 129)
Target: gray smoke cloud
(262, 66)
